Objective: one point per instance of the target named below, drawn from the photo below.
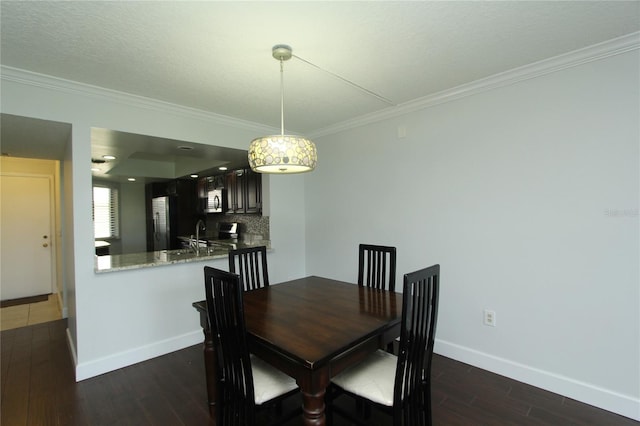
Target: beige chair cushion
(269, 383)
(372, 379)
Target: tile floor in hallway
(30, 314)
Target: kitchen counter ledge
(122, 262)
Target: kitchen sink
(178, 252)
(223, 244)
(189, 253)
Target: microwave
(214, 201)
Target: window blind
(105, 212)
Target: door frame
(53, 241)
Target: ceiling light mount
(282, 153)
(282, 52)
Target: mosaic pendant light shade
(282, 153)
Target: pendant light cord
(349, 82)
(281, 97)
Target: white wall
(527, 196)
(68, 246)
(286, 224)
(119, 318)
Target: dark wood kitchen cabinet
(253, 202)
(234, 192)
(244, 192)
(186, 205)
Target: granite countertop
(121, 262)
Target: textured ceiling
(216, 56)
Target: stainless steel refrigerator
(160, 208)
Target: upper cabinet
(244, 192)
(236, 192)
(254, 192)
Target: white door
(25, 236)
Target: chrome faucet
(199, 226)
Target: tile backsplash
(251, 226)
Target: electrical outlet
(489, 318)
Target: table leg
(313, 409)
(313, 390)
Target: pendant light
(282, 153)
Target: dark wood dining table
(311, 329)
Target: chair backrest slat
(226, 318)
(412, 391)
(377, 267)
(251, 264)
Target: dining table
(310, 328)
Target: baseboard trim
(63, 309)
(605, 399)
(113, 362)
(72, 347)
(24, 300)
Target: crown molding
(546, 66)
(44, 81)
(578, 57)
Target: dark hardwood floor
(38, 388)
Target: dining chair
(377, 267)
(400, 385)
(245, 383)
(251, 264)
